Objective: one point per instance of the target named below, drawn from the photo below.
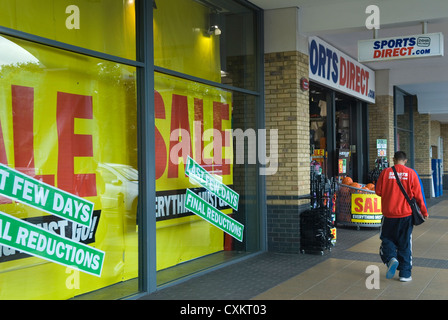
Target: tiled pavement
(339, 274)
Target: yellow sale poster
(70, 121)
(191, 119)
(366, 208)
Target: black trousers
(396, 242)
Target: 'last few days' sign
(23, 188)
(205, 179)
(403, 47)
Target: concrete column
(287, 110)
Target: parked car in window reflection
(120, 189)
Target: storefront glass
(68, 122)
(318, 129)
(205, 123)
(213, 40)
(344, 132)
(106, 26)
(337, 134)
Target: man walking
(396, 228)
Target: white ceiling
(342, 23)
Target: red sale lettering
(183, 136)
(199, 129)
(220, 112)
(179, 120)
(70, 145)
(22, 115)
(366, 204)
(161, 156)
(358, 205)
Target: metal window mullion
(68, 47)
(146, 147)
(204, 81)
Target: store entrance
(318, 130)
(351, 137)
(345, 149)
(338, 134)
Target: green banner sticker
(206, 211)
(206, 180)
(37, 194)
(33, 240)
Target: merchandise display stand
(317, 232)
(357, 207)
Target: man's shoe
(405, 279)
(391, 268)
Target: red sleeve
(379, 183)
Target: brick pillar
(381, 126)
(422, 144)
(444, 135)
(287, 109)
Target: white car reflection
(120, 189)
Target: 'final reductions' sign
(334, 69)
(404, 47)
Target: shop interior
(338, 146)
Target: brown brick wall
(287, 109)
(422, 143)
(381, 126)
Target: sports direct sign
(404, 47)
(332, 68)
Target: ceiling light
(214, 30)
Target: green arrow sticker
(37, 194)
(206, 211)
(206, 180)
(38, 242)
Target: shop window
(196, 120)
(318, 129)
(212, 40)
(337, 133)
(344, 131)
(68, 121)
(106, 26)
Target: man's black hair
(400, 156)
